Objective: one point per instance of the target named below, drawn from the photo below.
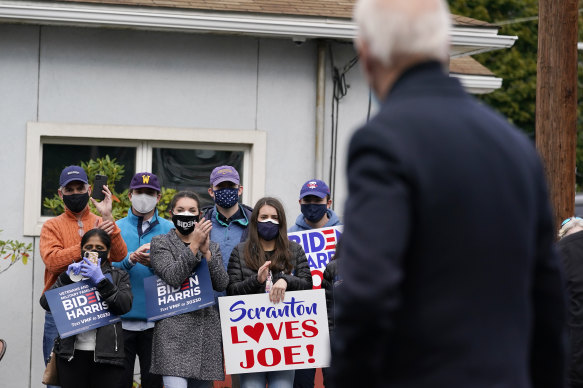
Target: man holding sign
(60, 236)
(315, 205)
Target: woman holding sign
(93, 358)
(268, 262)
(187, 348)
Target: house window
(190, 169)
(185, 163)
(58, 156)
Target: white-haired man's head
(397, 32)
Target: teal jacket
(131, 232)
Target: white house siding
(352, 114)
(128, 77)
(18, 104)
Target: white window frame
(252, 143)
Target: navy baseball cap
(315, 187)
(224, 174)
(145, 180)
(72, 173)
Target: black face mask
(314, 211)
(184, 223)
(76, 202)
(102, 255)
(267, 230)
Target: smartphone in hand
(98, 183)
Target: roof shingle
(341, 9)
(468, 66)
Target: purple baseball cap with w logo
(145, 180)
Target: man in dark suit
(450, 275)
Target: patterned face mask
(227, 197)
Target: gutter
(478, 84)
(98, 15)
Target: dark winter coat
(571, 249)
(187, 345)
(329, 278)
(109, 347)
(450, 274)
(243, 280)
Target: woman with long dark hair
(94, 358)
(187, 348)
(268, 262)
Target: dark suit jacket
(450, 275)
(571, 249)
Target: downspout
(320, 111)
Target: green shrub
(121, 203)
(15, 251)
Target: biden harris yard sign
(320, 246)
(78, 307)
(196, 292)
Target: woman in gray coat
(186, 348)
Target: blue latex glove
(74, 268)
(92, 272)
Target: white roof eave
(478, 84)
(98, 15)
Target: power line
(522, 20)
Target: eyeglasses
(569, 220)
(81, 231)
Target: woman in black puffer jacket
(268, 262)
(94, 358)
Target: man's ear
(158, 197)
(211, 193)
(240, 191)
(60, 193)
(130, 194)
(328, 204)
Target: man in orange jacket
(60, 237)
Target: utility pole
(556, 101)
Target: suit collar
(424, 79)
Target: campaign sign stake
(78, 307)
(260, 336)
(320, 246)
(196, 292)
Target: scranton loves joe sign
(261, 336)
(320, 246)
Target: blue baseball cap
(315, 187)
(72, 173)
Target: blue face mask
(267, 230)
(314, 211)
(227, 197)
